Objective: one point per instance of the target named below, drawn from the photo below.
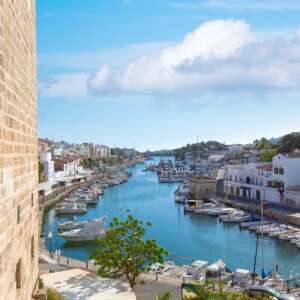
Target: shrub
(54, 295)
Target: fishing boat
(192, 205)
(89, 232)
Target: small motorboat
(89, 232)
(220, 211)
(69, 225)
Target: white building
(58, 150)
(48, 164)
(277, 182)
(235, 148)
(105, 151)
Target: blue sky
(157, 74)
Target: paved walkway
(77, 284)
(147, 291)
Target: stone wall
(202, 188)
(18, 151)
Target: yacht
(236, 218)
(219, 211)
(89, 232)
(204, 208)
(289, 235)
(88, 199)
(69, 225)
(71, 208)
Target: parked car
(258, 290)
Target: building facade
(18, 151)
(277, 182)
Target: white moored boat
(71, 208)
(69, 225)
(236, 217)
(192, 205)
(89, 232)
(220, 211)
(205, 208)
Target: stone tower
(18, 151)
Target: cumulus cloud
(219, 56)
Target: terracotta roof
(294, 154)
(267, 167)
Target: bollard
(67, 260)
(87, 264)
(156, 276)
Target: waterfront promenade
(152, 286)
(275, 211)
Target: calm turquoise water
(187, 237)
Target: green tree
(289, 142)
(267, 155)
(263, 143)
(124, 251)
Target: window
(230, 178)
(18, 214)
(18, 274)
(32, 247)
(231, 190)
(276, 170)
(258, 195)
(281, 171)
(235, 178)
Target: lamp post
(50, 235)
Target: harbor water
(187, 237)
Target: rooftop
(267, 168)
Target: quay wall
(281, 215)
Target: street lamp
(50, 235)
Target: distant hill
(284, 144)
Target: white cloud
(220, 56)
(65, 85)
